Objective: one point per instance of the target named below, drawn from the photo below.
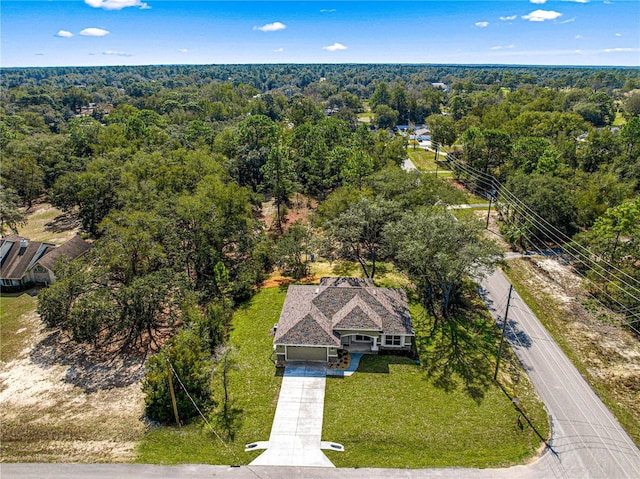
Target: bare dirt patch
(60, 404)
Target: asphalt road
(587, 441)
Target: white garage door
(303, 353)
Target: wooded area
(167, 167)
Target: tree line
(167, 168)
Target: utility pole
(173, 394)
(504, 328)
(491, 195)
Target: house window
(392, 340)
(362, 339)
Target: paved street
(587, 441)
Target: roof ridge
(351, 305)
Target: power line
(575, 251)
(207, 421)
(540, 223)
(558, 237)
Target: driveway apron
(297, 426)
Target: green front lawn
(388, 414)
(254, 395)
(425, 161)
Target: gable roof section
(301, 322)
(72, 249)
(357, 314)
(309, 331)
(17, 259)
(311, 314)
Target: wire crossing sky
(136, 32)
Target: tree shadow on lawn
(230, 421)
(87, 369)
(460, 351)
(64, 222)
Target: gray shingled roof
(18, 259)
(346, 282)
(72, 249)
(314, 315)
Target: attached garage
(306, 353)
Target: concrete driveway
(296, 432)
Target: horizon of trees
(167, 168)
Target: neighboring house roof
(314, 315)
(18, 254)
(73, 248)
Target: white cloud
(278, 50)
(509, 18)
(271, 27)
(94, 32)
(335, 47)
(482, 24)
(618, 34)
(183, 50)
(609, 50)
(577, 1)
(578, 37)
(541, 15)
(569, 20)
(117, 54)
(64, 34)
(116, 4)
(499, 47)
(539, 2)
(327, 10)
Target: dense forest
(167, 168)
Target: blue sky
(137, 32)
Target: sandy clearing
(61, 408)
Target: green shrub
(188, 354)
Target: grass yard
(254, 395)
(16, 311)
(425, 161)
(391, 414)
(388, 414)
(386, 274)
(49, 224)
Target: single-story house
(342, 313)
(24, 261)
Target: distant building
(442, 86)
(23, 261)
